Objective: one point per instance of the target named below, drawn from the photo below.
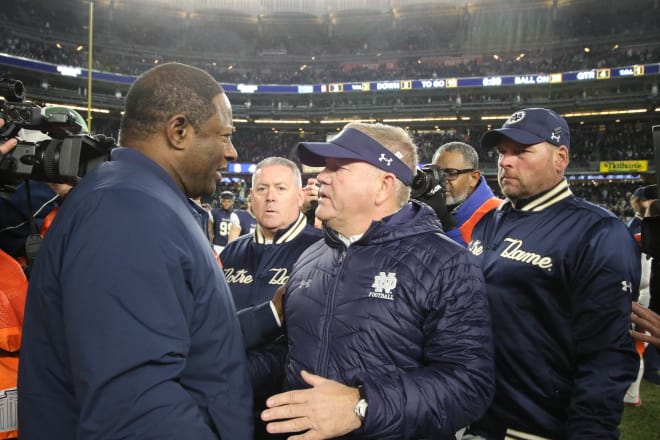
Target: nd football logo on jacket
(383, 286)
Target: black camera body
(428, 186)
(65, 158)
(429, 180)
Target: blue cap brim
(314, 153)
(492, 138)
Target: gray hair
(273, 161)
(396, 140)
(469, 154)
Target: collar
(543, 200)
(282, 235)
(466, 208)
(349, 240)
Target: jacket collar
(283, 235)
(481, 193)
(412, 219)
(543, 200)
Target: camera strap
(33, 242)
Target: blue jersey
(560, 277)
(222, 221)
(247, 220)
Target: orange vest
(13, 288)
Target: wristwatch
(360, 409)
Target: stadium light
(605, 113)
(442, 118)
(346, 121)
(281, 121)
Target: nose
(270, 195)
(230, 152)
(324, 177)
(505, 159)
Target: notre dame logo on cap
(516, 117)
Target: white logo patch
(384, 158)
(555, 137)
(626, 286)
(304, 284)
(516, 117)
(384, 284)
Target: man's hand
(8, 145)
(311, 193)
(647, 320)
(324, 411)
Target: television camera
(428, 186)
(66, 157)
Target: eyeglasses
(453, 173)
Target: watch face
(361, 408)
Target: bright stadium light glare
(281, 121)
(346, 121)
(441, 118)
(605, 113)
(77, 107)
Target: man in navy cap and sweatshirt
(560, 276)
(387, 322)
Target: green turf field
(643, 423)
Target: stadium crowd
(129, 43)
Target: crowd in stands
(382, 50)
(128, 43)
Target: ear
(301, 197)
(561, 158)
(475, 176)
(178, 130)
(385, 188)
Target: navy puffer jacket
(403, 312)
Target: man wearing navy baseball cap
(560, 277)
(384, 307)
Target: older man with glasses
(467, 194)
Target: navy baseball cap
(352, 144)
(227, 195)
(639, 193)
(531, 126)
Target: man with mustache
(467, 195)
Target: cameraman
(467, 194)
(32, 204)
